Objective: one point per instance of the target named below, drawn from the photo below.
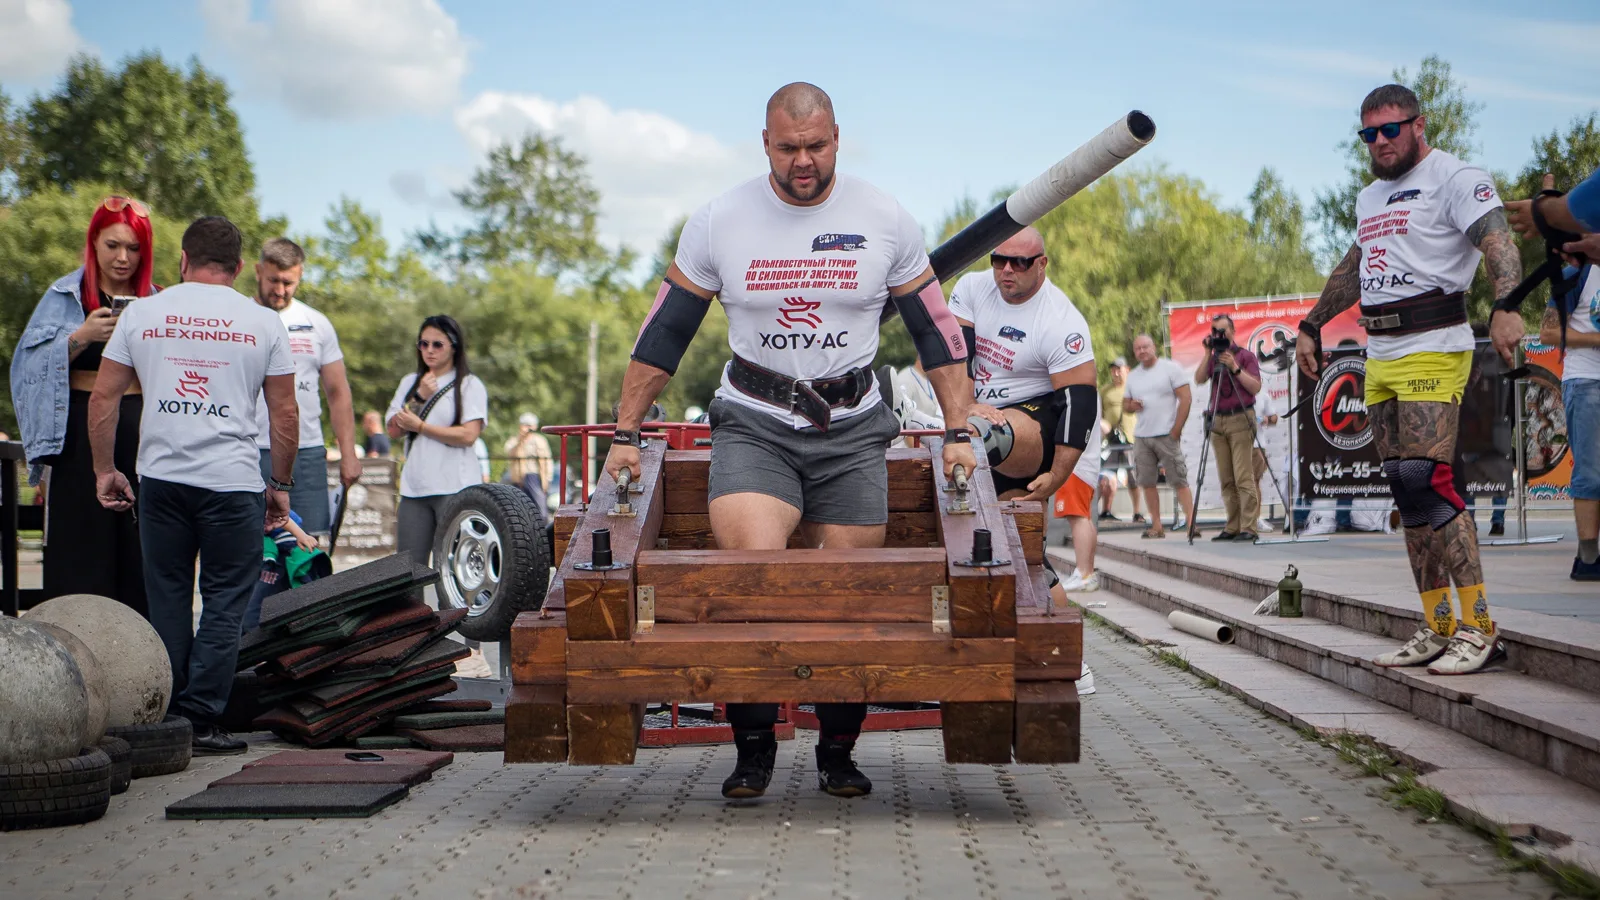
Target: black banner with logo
(1337, 456)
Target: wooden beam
(603, 734)
(807, 585)
(765, 663)
(906, 529)
(977, 732)
(1047, 722)
(566, 522)
(600, 604)
(1049, 647)
(539, 648)
(536, 724)
(983, 601)
(1029, 516)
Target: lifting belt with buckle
(1414, 315)
(813, 399)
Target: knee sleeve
(997, 440)
(1424, 490)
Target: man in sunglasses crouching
(1033, 370)
(1421, 228)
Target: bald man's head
(1144, 350)
(1027, 242)
(1018, 283)
(799, 101)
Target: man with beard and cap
(1421, 228)
(803, 262)
(317, 361)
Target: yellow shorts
(1428, 375)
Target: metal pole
(1520, 476)
(591, 399)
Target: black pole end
(982, 548)
(1141, 126)
(600, 549)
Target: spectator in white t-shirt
(1158, 390)
(318, 361)
(440, 410)
(203, 353)
(1580, 395)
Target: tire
(160, 748)
(493, 555)
(59, 792)
(121, 762)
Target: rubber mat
(451, 705)
(434, 760)
(340, 587)
(288, 723)
(384, 742)
(288, 801)
(409, 590)
(442, 652)
(410, 617)
(416, 644)
(427, 721)
(467, 738)
(348, 772)
(279, 642)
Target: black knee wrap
(1424, 490)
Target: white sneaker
(1086, 682)
(1263, 526)
(1469, 651)
(1081, 584)
(1425, 646)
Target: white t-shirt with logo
(1156, 389)
(1020, 345)
(313, 344)
(803, 286)
(1584, 362)
(434, 467)
(1413, 237)
(201, 352)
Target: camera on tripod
(1217, 341)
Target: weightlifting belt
(814, 399)
(1414, 315)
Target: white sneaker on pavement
(1081, 584)
(1263, 526)
(1470, 650)
(1086, 682)
(1425, 646)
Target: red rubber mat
(289, 724)
(430, 758)
(462, 739)
(288, 801)
(441, 654)
(346, 772)
(410, 617)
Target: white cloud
(338, 59)
(36, 37)
(649, 169)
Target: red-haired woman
(88, 549)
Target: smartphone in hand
(118, 304)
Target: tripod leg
(1200, 477)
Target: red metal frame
(896, 720)
(717, 732)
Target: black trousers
(834, 720)
(90, 549)
(223, 528)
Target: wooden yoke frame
(678, 621)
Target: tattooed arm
(1339, 294)
(1491, 234)
(1550, 332)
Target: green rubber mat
(384, 742)
(336, 590)
(425, 721)
(288, 801)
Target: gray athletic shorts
(835, 478)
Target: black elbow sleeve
(970, 335)
(1080, 415)
(670, 326)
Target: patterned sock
(1438, 612)
(1475, 607)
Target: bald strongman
(803, 262)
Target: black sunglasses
(1020, 263)
(437, 345)
(1390, 130)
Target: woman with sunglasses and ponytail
(88, 548)
(439, 410)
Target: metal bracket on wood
(941, 609)
(624, 508)
(959, 506)
(645, 609)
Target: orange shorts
(1074, 498)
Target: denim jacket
(39, 389)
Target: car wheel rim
(472, 565)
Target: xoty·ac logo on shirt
(193, 384)
(799, 311)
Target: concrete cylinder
(44, 702)
(94, 680)
(137, 670)
(1189, 623)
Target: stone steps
(1548, 724)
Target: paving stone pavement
(1182, 792)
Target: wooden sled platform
(675, 620)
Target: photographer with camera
(1233, 399)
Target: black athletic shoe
(1496, 529)
(836, 773)
(1106, 516)
(209, 740)
(1246, 537)
(758, 751)
(1582, 571)
(1225, 536)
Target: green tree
(170, 138)
(12, 140)
(1452, 124)
(1278, 225)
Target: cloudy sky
(394, 102)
